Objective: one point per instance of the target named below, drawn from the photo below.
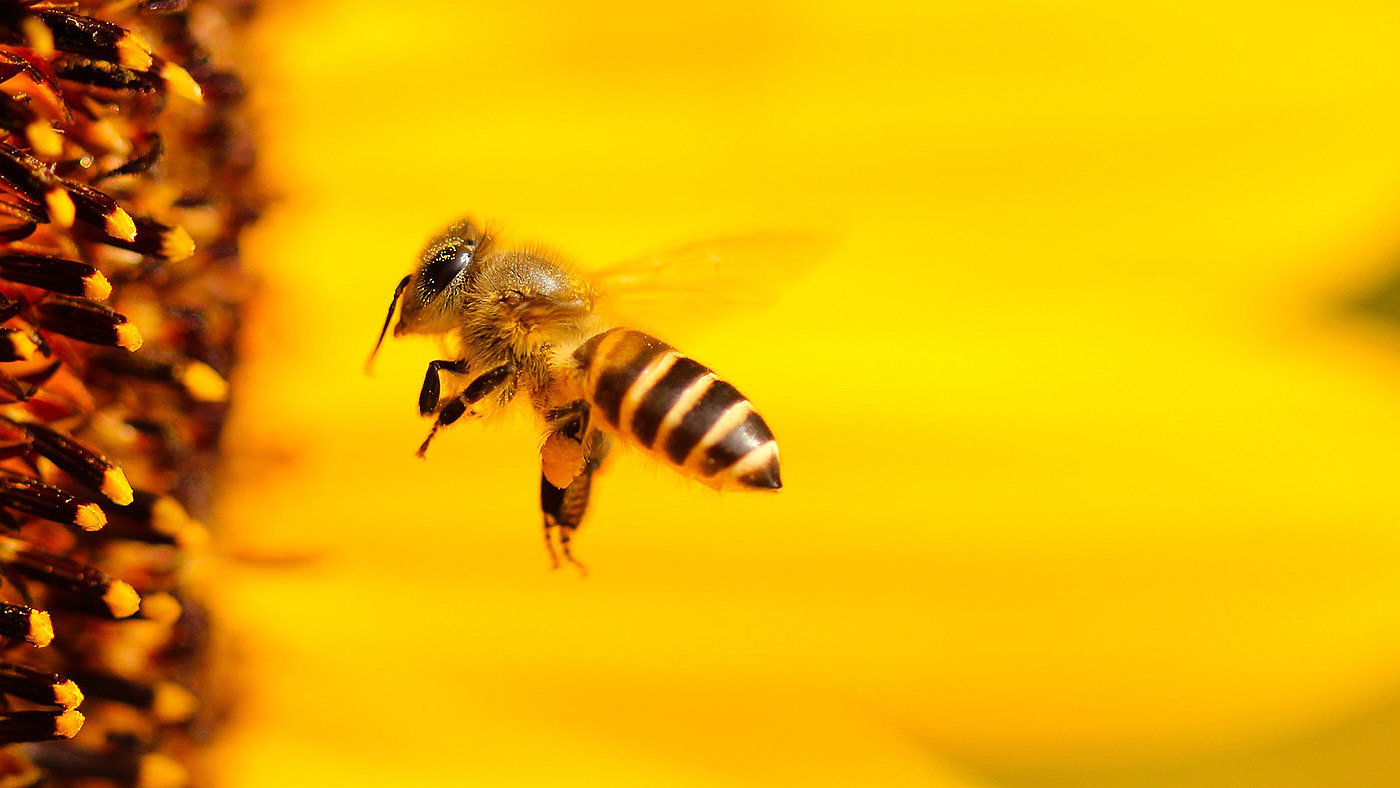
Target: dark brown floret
(86, 321)
(21, 622)
(53, 273)
(77, 460)
(36, 686)
(21, 726)
(30, 496)
(96, 38)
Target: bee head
(444, 267)
(428, 297)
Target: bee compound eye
(443, 267)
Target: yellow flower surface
(1089, 461)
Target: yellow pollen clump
(68, 695)
(116, 487)
(97, 287)
(90, 517)
(23, 345)
(161, 771)
(68, 723)
(40, 628)
(128, 337)
(177, 244)
(181, 83)
(122, 600)
(38, 36)
(62, 211)
(121, 225)
(44, 139)
(134, 52)
(203, 383)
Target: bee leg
(564, 508)
(562, 455)
(565, 536)
(477, 390)
(549, 533)
(561, 416)
(428, 396)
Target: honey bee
(521, 321)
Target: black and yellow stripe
(678, 410)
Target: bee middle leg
(484, 384)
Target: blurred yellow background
(1090, 469)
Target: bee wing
(708, 280)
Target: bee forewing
(707, 280)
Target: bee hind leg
(562, 456)
(564, 508)
(485, 383)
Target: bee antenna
(389, 318)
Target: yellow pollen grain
(177, 244)
(128, 337)
(40, 628)
(181, 83)
(89, 517)
(203, 383)
(122, 599)
(173, 703)
(62, 211)
(67, 695)
(38, 36)
(120, 225)
(161, 608)
(161, 771)
(23, 345)
(68, 723)
(96, 286)
(108, 136)
(168, 516)
(134, 53)
(116, 487)
(10, 548)
(194, 536)
(44, 139)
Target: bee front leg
(565, 507)
(432, 384)
(485, 383)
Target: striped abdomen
(675, 408)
